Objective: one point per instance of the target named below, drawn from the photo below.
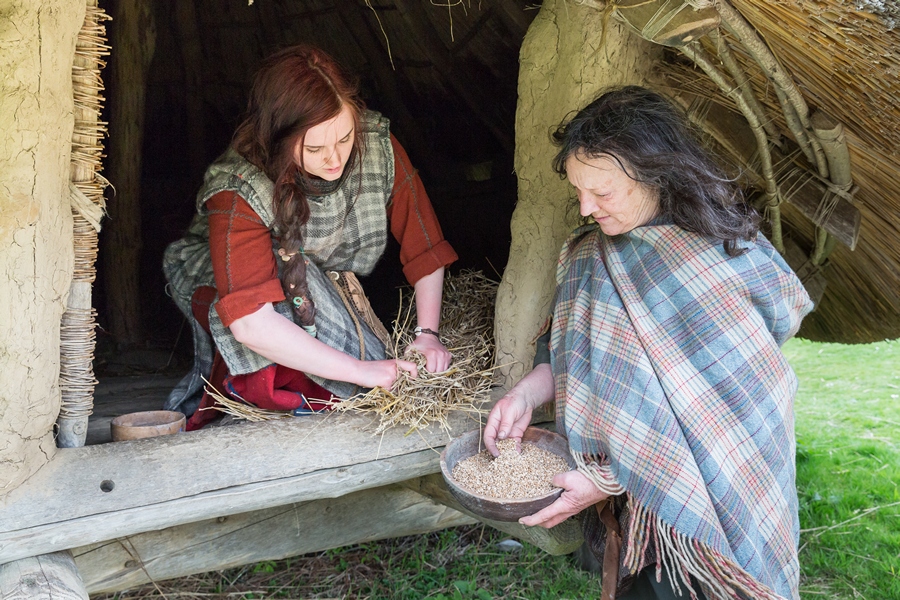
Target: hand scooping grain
(512, 475)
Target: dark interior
(448, 84)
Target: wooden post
(76, 390)
(133, 41)
(77, 332)
(48, 577)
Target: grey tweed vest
(346, 231)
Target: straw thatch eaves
(814, 128)
(845, 59)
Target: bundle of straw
(467, 332)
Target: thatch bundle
(467, 330)
(77, 330)
(846, 63)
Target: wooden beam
(133, 41)
(187, 28)
(97, 493)
(474, 31)
(48, 577)
(514, 16)
(809, 274)
(385, 79)
(416, 18)
(269, 534)
(804, 191)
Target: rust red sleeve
(242, 258)
(423, 248)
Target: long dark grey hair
(655, 145)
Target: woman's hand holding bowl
(579, 493)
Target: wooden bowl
(469, 444)
(150, 423)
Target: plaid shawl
(671, 382)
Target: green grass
(462, 563)
(848, 480)
(848, 468)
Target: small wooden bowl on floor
(496, 509)
(150, 423)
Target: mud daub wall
(37, 44)
(566, 60)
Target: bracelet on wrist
(420, 330)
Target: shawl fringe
(683, 558)
(647, 536)
(599, 472)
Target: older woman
(664, 360)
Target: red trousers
(275, 387)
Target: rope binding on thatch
(77, 330)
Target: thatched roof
(847, 62)
(845, 59)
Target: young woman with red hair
(302, 199)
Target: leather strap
(420, 330)
(610, 576)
